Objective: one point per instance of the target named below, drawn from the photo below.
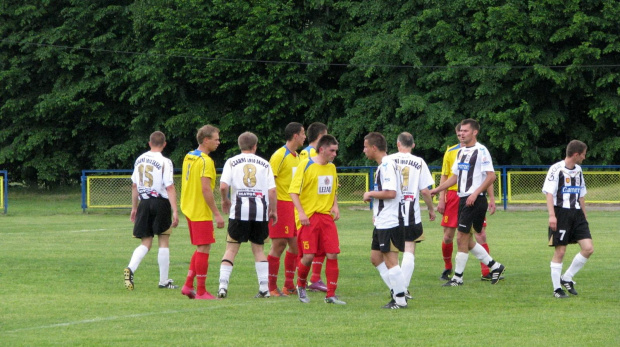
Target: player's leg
(290, 266)
(578, 262)
(226, 267)
(397, 279)
(278, 245)
(447, 247)
(481, 239)
(408, 262)
(163, 259)
(136, 258)
(556, 271)
(315, 280)
(262, 269)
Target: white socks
(578, 262)
(407, 266)
(398, 283)
(461, 262)
(262, 273)
(136, 258)
(556, 272)
(383, 271)
(225, 271)
(163, 258)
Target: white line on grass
(112, 318)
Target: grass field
(61, 284)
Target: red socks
(446, 250)
(331, 275)
(202, 265)
(302, 274)
(317, 266)
(483, 268)
(290, 264)
(274, 268)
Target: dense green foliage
(83, 83)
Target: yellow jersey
(448, 160)
(307, 152)
(196, 165)
(283, 164)
(316, 185)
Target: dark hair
(292, 129)
(157, 139)
(472, 123)
(247, 141)
(575, 146)
(405, 139)
(314, 130)
(377, 140)
(327, 140)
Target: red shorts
(201, 233)
(285, 228)
(451, 214)
(320, 237)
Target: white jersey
(566, 185)
(152, 173)
(415, 176)
(471, 167)
(249, 177)
(387, 213)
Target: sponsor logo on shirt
(409, 197)
(325, 185)
(464, 166)
(571, 190)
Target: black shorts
(572, 226)
(414, 233)
(472, 216)
(388, 240)
(240, 231)
(154, 217)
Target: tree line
(84, 82)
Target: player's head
(374, 144)
(247, 141)
(294, 132)
(328, 147)
(405, 139)
(157, 139)
(315, 131)
(211, 134)
(468, 131)
(576, 147)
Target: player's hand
(226, 206)
(132, 216)
(335, 212)
(492, 207)
(367, 197)
(441, 207)
(220, 221)
(553, 223)
(431, 215)
(434, 192)
(303, 219)
(175, 219)
(273, 216)
(471, 200)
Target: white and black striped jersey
(566, 185)
(387, 213)
(152, 173)
(249, 177)
(471, 167)
(415, 176)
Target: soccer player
(388, 236)
(251, 205)
(449, 207)
(284, 162)
(313, 191)
(415, 180)
(315, 131)
(565, 190)
(473, 169)
(152, 198)
(198, 205)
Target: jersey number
(146, 176)
(249, 175)
(404, 173)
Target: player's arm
(207, 194)
(134, 202)
(582, 203)
(172, 197)
(335, 211)
(273, 205)
(488, 181)
(379, 194)
(445, 185)
(428, 200)
(441, 206)
(303, 219)
(491, 193)
(224, 188)
(553, 222)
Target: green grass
(61, 284)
